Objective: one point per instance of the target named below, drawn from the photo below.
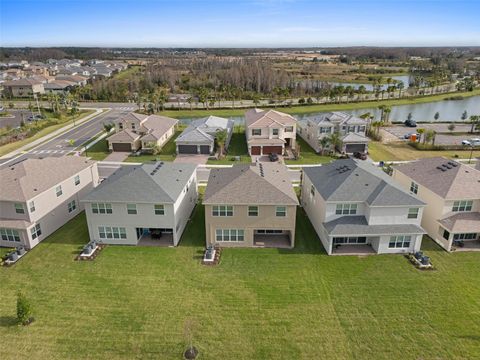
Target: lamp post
(471, 153)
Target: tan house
(138, 131)
(269, 131)
(37, 196)
(250, 205)
(23, 87)
(452, 193)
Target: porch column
(198, 149)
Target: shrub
(24, 309)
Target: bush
(24, 310)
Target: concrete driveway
(191, 159)
(117, 156)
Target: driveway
(117, 156)
(191, 159)
(265, 158)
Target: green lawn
(237, 147)
(132, 302)
(168, 152)
(99, 151)
(308, 155)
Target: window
(159, 209)
(31, 206)
(350, 240)
(312, 190)
(464, 205)
(268, 232)
(58, 190)
(71, 206)
(281, 211)
(222, 210)
(120, 126)
(399, 241)
(325, 130)
(413, 213)
(446, 234)
(253, 211)
(36, 231)
(274, 132)
(77, 180)
(414, 188)
(361, 129)
(101, 208)
(19, 208)
(229, 235)
(107, 232)
(9, 235)
(132, 209)
(133, 126)
(346, 209)
(351, 128)
(256, 132)
(289, 129)
(471, 236)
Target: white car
(471, 142)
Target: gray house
(199, 136)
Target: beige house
(357, 208)
(142, 205)
(250, 205)
(452, 193)
(138, 131)
(23, 87)
(269, 131)
(37, 196)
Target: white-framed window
(112, 232)
(72, 206)
(159, 209)
(351, 128)
(222, 210)
(350, 240)
(101, 208)
(274, 132)
(31, 206)
(414, 187)
(256, 132)
(132, 209)
(413, 213)
(346, 209)
(462, 205)
(268, 232)
(325, 130)
(9, 235)
(446, 234)
(120, 126)
(288, 129)
(281, 211)
(19, 209)
(133, 126)
(469, 236)
(76, 180)
(253, 211)
(229, 235)
(399, 241)
(362, 128)
(36, 231)
(58, 190)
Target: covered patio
(364, 249)
(272, 239)
(155, 237)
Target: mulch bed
(92, 257)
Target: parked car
(360, 155)
(273, 157)
(471, 142)
(410, 123)
(409, 136)
(2, 109)
(35, 117)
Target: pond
(369, 87)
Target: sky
(239, 23)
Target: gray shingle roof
(463, 222)
(202, 131)
(358, 226)
(140, 184)
(352, 181)
(336, 118)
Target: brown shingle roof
(464, 222)
(247, 184)
(124, 135)
(265, 118)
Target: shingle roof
(247, 184)
(455, 181)
(352, 181)
(151, 183)
(22, 82)
(203, 130)
(358, 226)
(354, 137)
(337, 117)
(124, 135)
(464, 222)
(31, 177)
(265, 118)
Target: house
(357, 208)
(23, 87)
(138, 131)
(269, 131)
(38, 196)
(58, 87)
(76, 79)
(250, 205)
(352, 131)
(199, 136)
(148, 204)
(451, 191)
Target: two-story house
(138, 131)
(37, 196)
(452, 193)
(356, 208)
(143, 205)
(269, 131)
(250, 205)
(351, 129)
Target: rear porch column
(198, 149)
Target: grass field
(132, 302)
(237, 147)
(308, 155)
(402, 151)
(168, 152)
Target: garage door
(255, 150)
(272, 149)
(124, 147)
(204, 149)
(351, 148)
(187, 149)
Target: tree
(400, 86)
(108, 126)
(464, 115)
(335, 140)
(474, 121)
(24, 310)
(436, 116)
(221, 137)
(451, 127)
(420, 132)
(324, 142)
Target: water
(369, 87)
(449, 111)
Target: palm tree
(421, 132)
(474, 120)
(464, 115)
(387, 112)
(400, 86)
(221, 137)
(324, 142)
(335, 140)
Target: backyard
(132, 302)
